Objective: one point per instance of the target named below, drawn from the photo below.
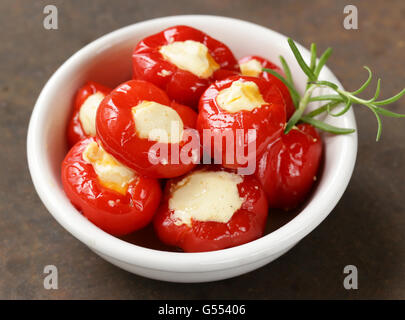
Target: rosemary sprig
(372, 104)
(332, 100)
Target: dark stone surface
(365, 229)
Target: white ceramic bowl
(108, 60)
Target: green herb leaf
(365, 84)
(300, 60)
(322, 61)
(313, 57)
(379, 124)
(326, 127)
(326, 97)
(387, 113)
(287, 71)
(390, 100)
(325, 83)
(328, 106)
(377, 91)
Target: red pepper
(115, 212)
(288, 168)
(117, 130)
(181, 85)
(75, 130)
(268, 121)
(245, 225)
(264, 63)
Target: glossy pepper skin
(113, 212)
(75, 131)
(181, 85)
(117, 131)
(247, 223)
(289, 105)
(288, 168)
(268, 120)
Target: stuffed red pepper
(253, 66)
(83, 121)
(182, 61)
(211, 209)
(139, 125)
(109, 194)
(245, 114)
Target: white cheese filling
(206, 196)
(251, 68)
(190, 55)
(241, 95)
(157, 122)
(111, 173)
(88, 111)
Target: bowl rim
(268, 245)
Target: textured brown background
(366, 228)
